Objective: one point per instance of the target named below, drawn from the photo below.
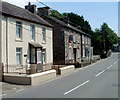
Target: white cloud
(20, 3)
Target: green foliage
(77, 20)
(102, 39)
(56, 14)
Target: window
(44, 56)
(83, 51)
(18, 56)
(83, 41)
(18, 30)
(70, 38)
(33, 56)
(74, 37)
(43, 35)
(32, 32)
(88, 41)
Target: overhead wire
(70, 19)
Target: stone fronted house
(70, 44)
(26, 39)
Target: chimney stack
(31, 8)
(43, 11)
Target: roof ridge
(22, 13)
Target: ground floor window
(33, 55)
(44, 56)
(83, 51)
(70, 53)
(18, 56)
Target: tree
(108, 36)
(97, 41)
(55, 14)
(102, 39)
(77, 20)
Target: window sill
(43, 42)
(18, 40)
(32, 40)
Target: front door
(39, 59)
(74, 51)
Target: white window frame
(32, 32)
(74, 37)
(83, 39)
(19, 25)
(44, 56)
(20, 54)
(43, 35)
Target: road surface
(99, 80)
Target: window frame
(43, 35)
(71, 37)
(19, 25)
(83, 39)
(44, 52)
(32, 32)
(20, 53)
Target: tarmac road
(99, 80)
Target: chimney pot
(29, 3)
(31, 8)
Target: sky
(96, 13)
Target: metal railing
(21, 69)
(25, 69)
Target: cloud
(20, 3)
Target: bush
(77, 65)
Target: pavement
(99, 80)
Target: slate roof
(15, 11)
(66, 25)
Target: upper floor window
(32, 32)
(18, 30)
(43, 35)
(70, 38)
(83, 39)
(86, 40)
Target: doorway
(74, 52)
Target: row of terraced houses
(34, 39)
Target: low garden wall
(67, 69)
(32, 79)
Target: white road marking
(116, 61)
(109, 66)
(3, 95)
(76, 87)
(99, 73)
(19, 90)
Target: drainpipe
(7, 43)
(81, 48)
(0, 50)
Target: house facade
(87, 50)
(26, 39)
(69, 46)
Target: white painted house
(26, 39)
